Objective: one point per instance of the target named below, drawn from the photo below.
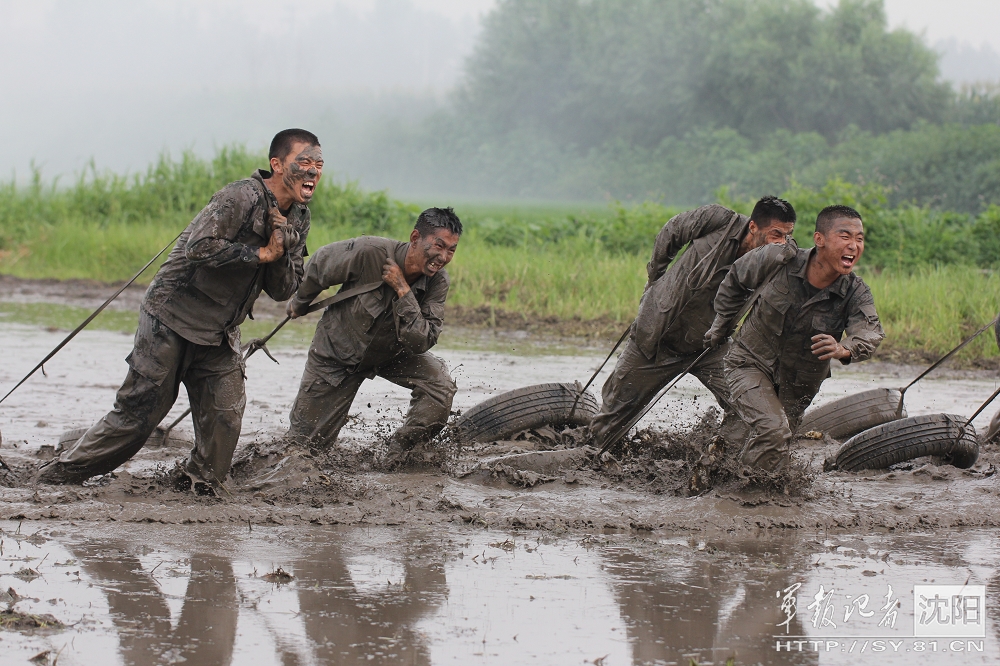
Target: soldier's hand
(290, 309)
(715, 336)
(275, 217)
(275, 247)
(279, 221)
(393, 276)
(826, 347)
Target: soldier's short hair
(771, 209)
(282, 142)
(827, 216)
(438, 218)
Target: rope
(91, 317)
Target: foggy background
(120, 81)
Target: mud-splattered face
(775, 233)
(301, 170)
(842, 246)
(435, 250)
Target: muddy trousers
(636, 380)
(159, 363)
(773, 413)
(320, 409)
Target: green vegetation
(933, 272)
(105, 226)
(669, 100)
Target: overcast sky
(121, 80)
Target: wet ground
(200, 595)
(616, 562)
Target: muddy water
(142, 594)
(82, 380)
(404, 578)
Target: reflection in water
(206, 630)
(185, 595)
(677, 609)
(376, 622)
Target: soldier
(677, 308)
(385, 330)
(807, 299)
(250, 237)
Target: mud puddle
(81, 381)
(145, 594)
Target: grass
(561, 261)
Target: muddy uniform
(676, 310)
(189, 333)
(772, 372)
(375, 333)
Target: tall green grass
(561, 261)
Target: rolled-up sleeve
(864, 330)
(419, 325)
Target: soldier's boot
(58, 473)
(402, 442)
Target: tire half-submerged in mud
(535, 406)
(939, 435)
(852, 414)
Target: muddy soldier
(677, 308)
(807, 300)
(385, 330)
(250, 237)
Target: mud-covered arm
(864, 330)
(213, 232)
(748, 273)
(283, 276)
(332, 264)
(418, 325)
(679, 231)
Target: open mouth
(434, 266)
(847, 260)
(309, 187)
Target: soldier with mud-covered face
(385, 329)
(251, 237)
(808, 299)
(677, 308)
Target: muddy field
(500, 485)
(472, 552)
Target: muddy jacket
(678, 306)
(365, 331)
(780, 326)
(210, 280)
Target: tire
(846, 417)
(906, 439)
(536, 406)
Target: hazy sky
(120, 81)
(972, 21)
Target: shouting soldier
(250, 237)
(384, 329)
(806, 300)
(677, 308)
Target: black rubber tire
(536, 406)
(929, 435)
(846, 417)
